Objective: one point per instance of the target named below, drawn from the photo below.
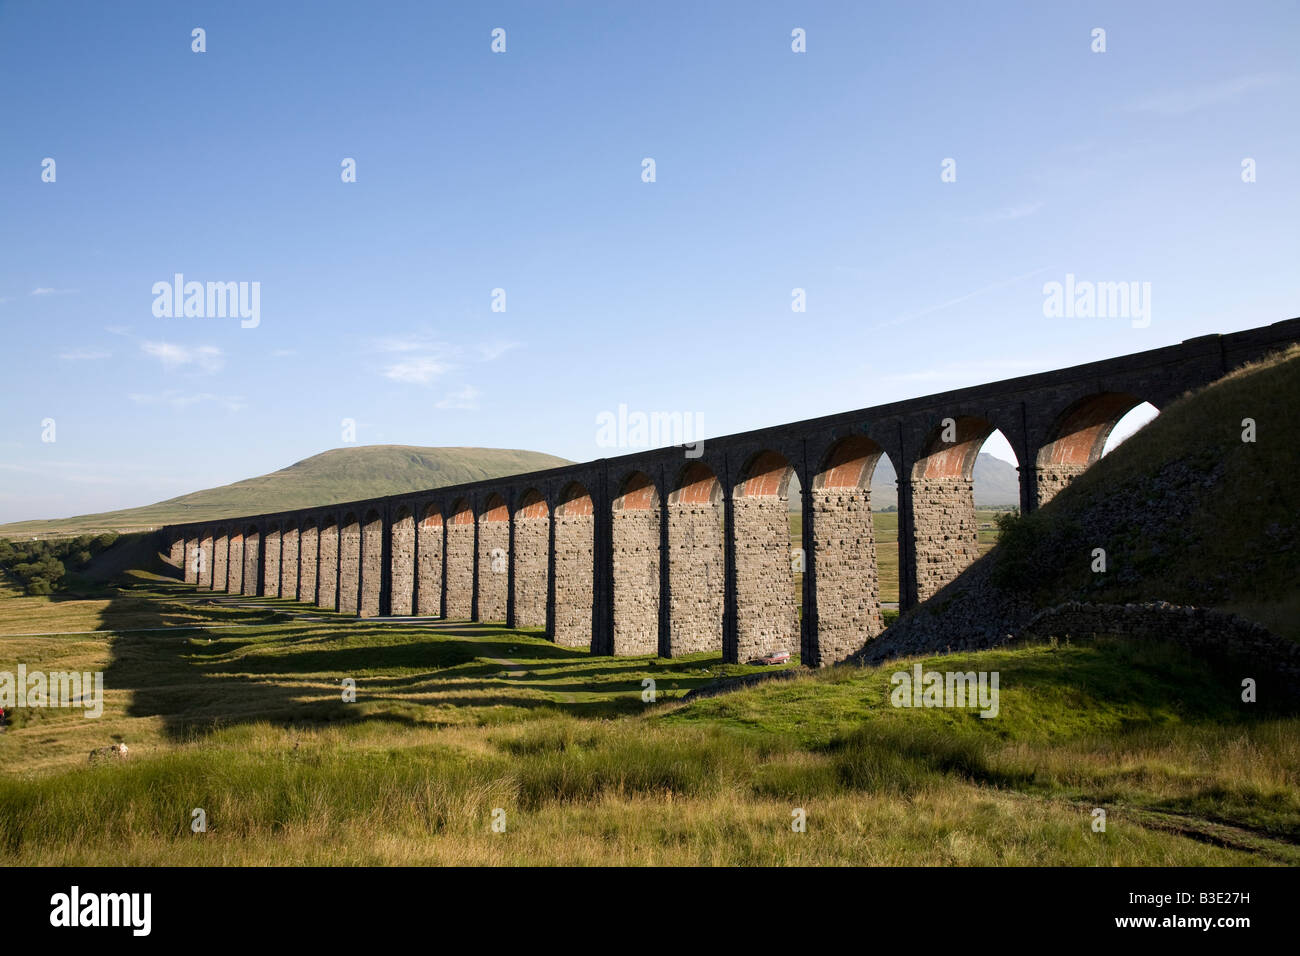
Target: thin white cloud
(409, 343)
(911, 316)
(283, 353)
(84, 355)
(1019, 211)
(118, 329)
(418, 370)
(45, 291)
(208, 358)
(421, 359)
(1181, 102)
(490, 351)
(179, 399)
(466, 398)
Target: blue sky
(523, 171)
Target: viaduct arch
(684, 550)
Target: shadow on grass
(197, 678)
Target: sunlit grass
(454, 721)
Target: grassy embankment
(1202, 509)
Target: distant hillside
(341, 474)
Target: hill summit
(334, 476)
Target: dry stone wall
(1207, 631)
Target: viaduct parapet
(687, 549)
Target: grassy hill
(1190, 514)
(341, 474)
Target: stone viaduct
(686, 549)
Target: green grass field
(452, 721)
